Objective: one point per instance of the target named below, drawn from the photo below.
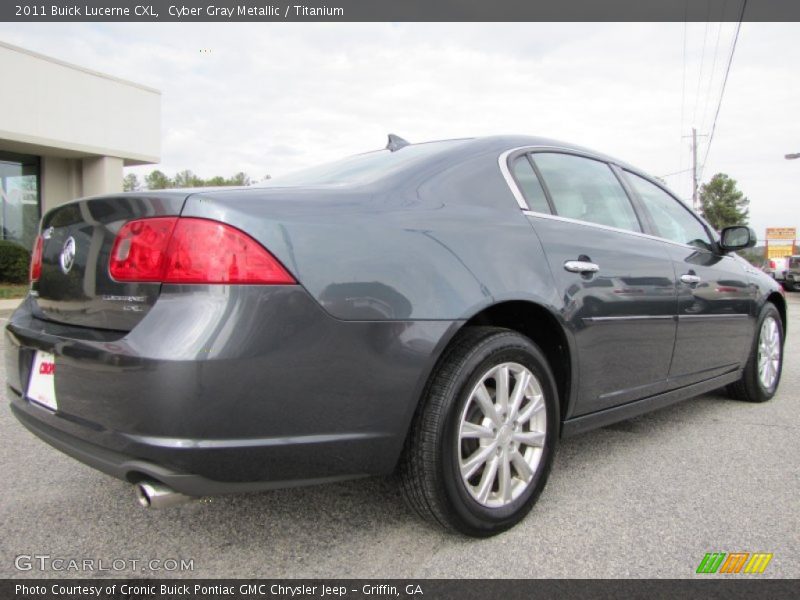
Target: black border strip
(728, 587)
(398, 10)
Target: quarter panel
(438, 245)
(231, 369)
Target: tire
(451, 431)
(752, 387)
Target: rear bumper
(232, 388)
(133, 470)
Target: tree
(131, 183)
(217, 181)
(156, 180)
(240, 179)
(187, 179)
(722, 203)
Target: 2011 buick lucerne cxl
(445, 310)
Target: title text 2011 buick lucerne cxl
(445, 310)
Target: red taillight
(36, 259)
(139, 252)
(772, 264)
(190, 250)
(204, 251)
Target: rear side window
(530, 185)
(672, 220)
(587, 190)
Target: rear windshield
(361, 168)
(794, 262)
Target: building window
(19, 194)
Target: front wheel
(762, 373)
(483, 440)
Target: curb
(10, 304)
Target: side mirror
(737, 237)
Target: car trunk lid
(75, 286)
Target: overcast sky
(271, 98)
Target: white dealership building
(66, 132)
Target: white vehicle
(777, 268)
(793, 273)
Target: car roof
(503, 143)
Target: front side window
(671, 218)
(530, 185)
(587, 190)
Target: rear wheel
(483, 440)
(762, 373)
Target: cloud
(271, 98)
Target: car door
(716, 303)
(616, 287)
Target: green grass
(13, 290)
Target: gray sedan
(446, 310)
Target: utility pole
(695, 182)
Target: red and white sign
(41, 387)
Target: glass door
(19, 198)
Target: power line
(713, 69)
(702, 64)
(675, 173)
(724, 84)
(683, 86)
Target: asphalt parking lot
(644, 498)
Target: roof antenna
(395, 143)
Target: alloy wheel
(769, 353)
(502, 432)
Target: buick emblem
(68, 255)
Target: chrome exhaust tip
(152, 494)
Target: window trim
(649, 230)
(608, 165)
(533, 213)
(548, 196)
(527, 157)
(513, 153)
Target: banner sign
(781, 233)
(780, 250)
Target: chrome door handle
(690, 279)
(581, 266)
